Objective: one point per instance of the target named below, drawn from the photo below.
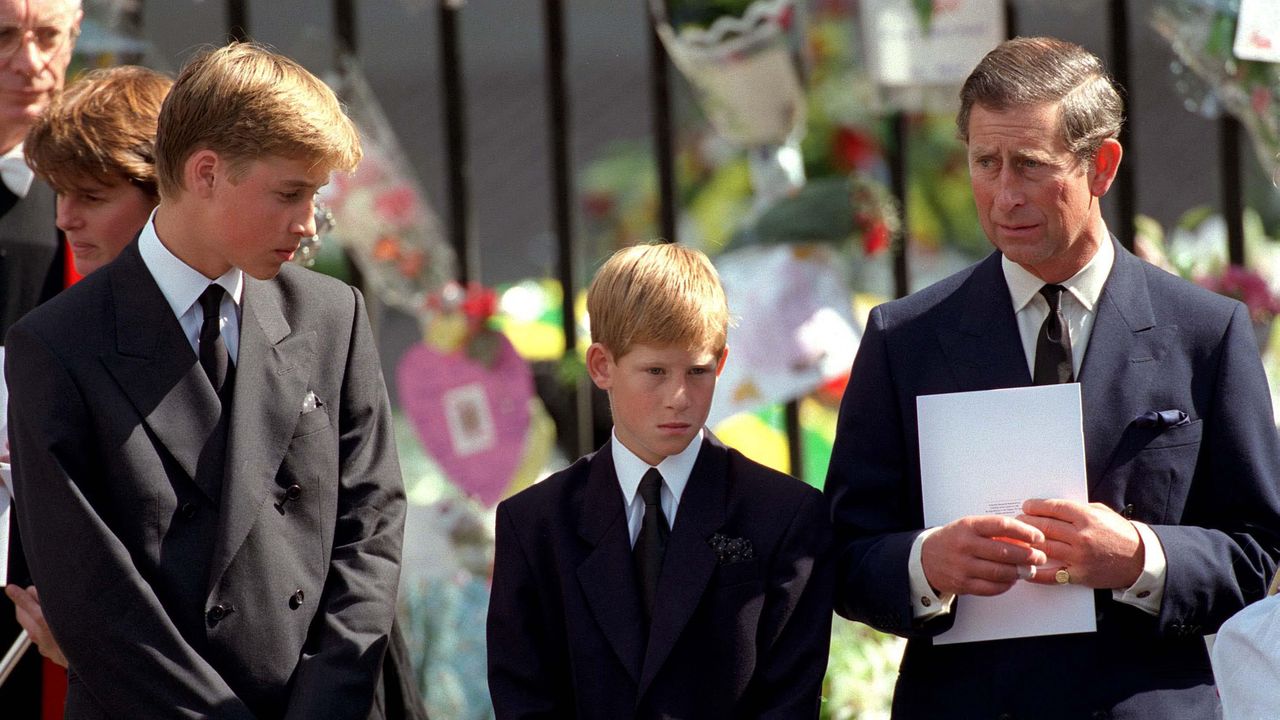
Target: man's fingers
(21, 597)
(1046, 575)
(1010, 553)
(1065, 510)
(1002, 526)
(986, 588)
(1050, 527)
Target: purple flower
(1248, 287)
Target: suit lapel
(273, 370)
(157, 369)
(690, 561)
(607, 575)
(982, 343)
(1124, 352)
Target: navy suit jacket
(1209, 488)
(729, 639)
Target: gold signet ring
(1062, 576)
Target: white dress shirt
(182, 286)
(675, 471)
(15, 173)
(1245, 662)
(1079, 305)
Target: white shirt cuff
(1148, 590)
(925, 603)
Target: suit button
(1100, 715)
(1127, 512)
(293, 492)
(1005, 716)
(188, 510)
(218, 612)
(295, 601)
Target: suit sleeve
(342, 658)
(796, 626)
(874, 497)
(1223, 554)
(103, 613)
(521, 682)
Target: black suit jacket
(728, 639)
(177, 592)
(32, 254)
(1209, 489)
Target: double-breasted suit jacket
(184, 575)
(734, 634)
(1209, 487)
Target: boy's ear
(200, 171)
(724, 355)
(600, 366)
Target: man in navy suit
(664, 576)
(1183, 524)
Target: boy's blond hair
(245, 102)
(101, 129)
(661, 294)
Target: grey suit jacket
(176, 590)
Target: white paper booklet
(984, 453)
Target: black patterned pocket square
(731, 550)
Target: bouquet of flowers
(1202, 33)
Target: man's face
(1037, 202)
(99, 219)
(36, 40)
(659, 394)
(263, 212)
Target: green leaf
(924, 12)
(819, 212)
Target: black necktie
(213, 351)
(1053, 344)
(651, 544)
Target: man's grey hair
(1031, 71)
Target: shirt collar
(675, 469)
(181, 283)
(15, 173)
(1085, 286)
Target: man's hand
(26, 603)
(980, 554)
(1095, 544)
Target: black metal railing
(457, 200)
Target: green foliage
(861, 672)
(701, 13)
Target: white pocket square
(310, 402)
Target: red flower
(876, 238)
(397, 204)
(411, 263)
(1261, 99)
(853, 149)
(480, 303)
(597, 204)
(1248, 287)
(386, 247)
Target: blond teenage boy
(664, 575)
(206, 478)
